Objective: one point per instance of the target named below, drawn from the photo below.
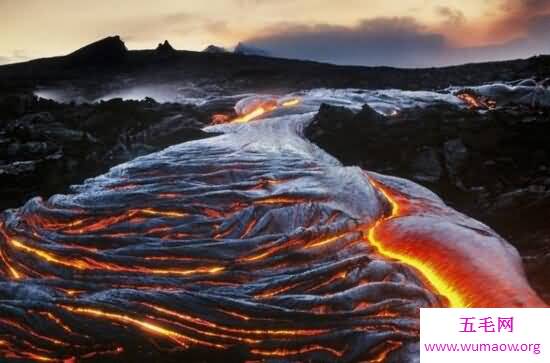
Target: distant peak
(165, 47)
(107, 50)
(214, 49)
(246, 49)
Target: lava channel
(254, 107)
(255, 245)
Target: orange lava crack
(436, 280)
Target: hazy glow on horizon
(37, 28)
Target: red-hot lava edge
(189, 252)
(430, 238)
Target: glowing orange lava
(254, 114)
(208, 324)
(287, 352)
(262, 108)
(435, 279)
(14, 273)
(219, 118)
(463, 285)
(89, 264)
(290, 103)
(476, 102)
(142, 324)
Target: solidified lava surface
(250, 246)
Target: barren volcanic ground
(253, 245)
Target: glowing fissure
(434, 277)
(233, 330)
(285, 352)
(14, 273)
(264, 107)
(145, 325)
(94, 265)
(474, 101)
(252, 115)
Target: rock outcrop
(46, 146)
(165, 49)
(214, 49)
(105, 51)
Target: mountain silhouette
(165, 49)
(108, 50)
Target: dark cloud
(380, 41)
(516, 8)
(534, 4)
(520, 18)
(538, 27)
(401, 42)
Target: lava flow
(254, 108)
(431, 274)
(253, 244)
(476, 102)
(425, 236)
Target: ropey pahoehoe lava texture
(254, 244)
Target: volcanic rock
(108, 50)
(331, 126)
(456, 156)
(215, 49)
(18, 168)
(368, 114)
(14, 104)
(46, 151)
(165, 49)
(425, 166)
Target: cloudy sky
(406, 33)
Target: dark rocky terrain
(494, 165)
(46, 146)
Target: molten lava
(255, 109)
(429, 272)
(219, 118)
(257, 112)
(290, 103)
(255, 244)
(402, 236)
(476, 102)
